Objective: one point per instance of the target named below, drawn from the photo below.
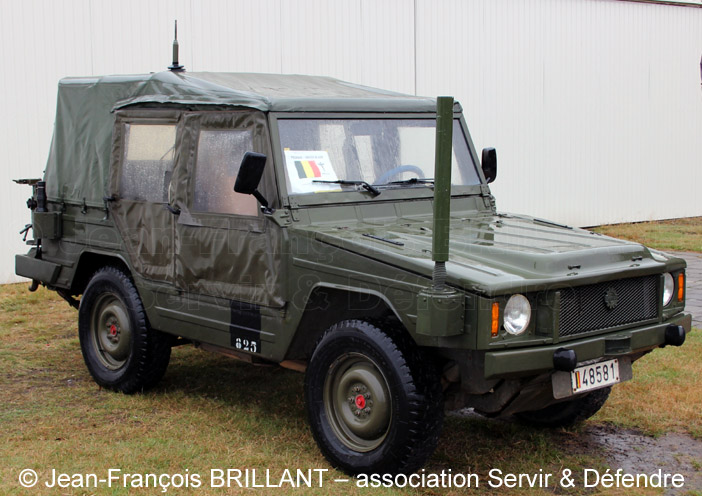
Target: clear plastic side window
(219, 156)
(147, 162)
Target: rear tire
(568, 413)
(374, 401)
(120, 350)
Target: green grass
(666, 392)
(213, 412)
(677, 234)
(660, 373)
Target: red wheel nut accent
(360, 401)
(113, 330)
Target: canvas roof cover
(79, 159)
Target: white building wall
(594, 106)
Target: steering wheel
(399, 170)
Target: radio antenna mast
(176, 67)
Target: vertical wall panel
(362, 41)
(594, 105)
(236, 36)
(41, 43)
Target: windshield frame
(351, 194)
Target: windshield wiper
(374, 191)
(414, 180)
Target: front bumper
(532, 361)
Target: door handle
(173, 210)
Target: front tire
(120, 350)
(373, 400)
(568, 413)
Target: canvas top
(80, 153)
(266, 92)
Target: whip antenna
(176, 67)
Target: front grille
(608, 304)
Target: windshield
(387, 153)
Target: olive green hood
(499, 253)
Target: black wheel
(568, 413)
(120, 350)
(374, 402)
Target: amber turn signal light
(681, 286)
(495, 319)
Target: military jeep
(342, 231)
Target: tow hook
(674, 335)
(565, 360)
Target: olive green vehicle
(362, 246)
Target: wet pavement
(636, 453)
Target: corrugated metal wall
(594, 106)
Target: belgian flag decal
(307, 169)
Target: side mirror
(489, 164)
(249, 177)
(250, 173)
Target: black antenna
(176, 67)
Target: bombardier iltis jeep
(342, 231)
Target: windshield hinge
(488, 199)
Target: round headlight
(517, 314)
(668, 288)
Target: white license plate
(595, 376)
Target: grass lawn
(676, 234)
(213, 412)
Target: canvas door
(143, 162)
(225, 248)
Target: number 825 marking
(246, 345)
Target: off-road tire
(120, 350)
(356, 358)
(567, 413)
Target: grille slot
(589, 308)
